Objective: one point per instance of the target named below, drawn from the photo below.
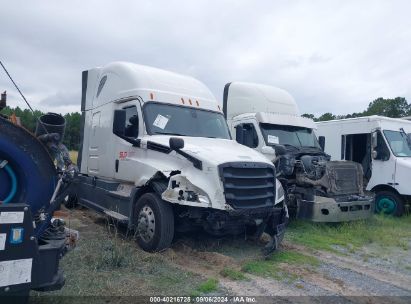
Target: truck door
(383, 163)
(124, 152)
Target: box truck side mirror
(176, 143)
(374, 140)
(119, 122)
(321, 141)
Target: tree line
(391, 107)
(29, 121)
(396, 108)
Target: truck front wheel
(153, 223)
(388, 202)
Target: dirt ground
(107, 261)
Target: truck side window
(247, 135)
(382, 150)
(131, 122)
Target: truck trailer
(157, 155)
(267, 119)
(381, 145)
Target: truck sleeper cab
(381, 145)
(267, 119)
(157, 154)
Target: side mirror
(119, 122)
(280, 150)
(374, 140)
(239, 134)
(176, 143)
(321, 141)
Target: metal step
(116, 215)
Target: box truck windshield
(398, 142)
(289, 135)
(170, 119)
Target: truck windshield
(289, 135)
(184, 121)
(398, 143)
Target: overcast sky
(332, 56)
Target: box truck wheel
(153, 222)
(388, 202)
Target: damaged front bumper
(326, 209)
(275, 223)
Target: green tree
(391, 107)
(306, 115)
(326, 116)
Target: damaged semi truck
(157, 155)
(267, 119)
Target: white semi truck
(267, 119)
(157, 154)
(382, 146)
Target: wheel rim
(386, 205)
(146, 224)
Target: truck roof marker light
(152, 96)
(182, 100)
(198, 104)
(190, 102)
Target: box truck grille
(248, 185)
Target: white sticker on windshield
(273, 139)
(160, 122)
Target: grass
(233, 274)
(106, 264)
(73, 156)
(273, 267)
(380, 230)
(208, 286)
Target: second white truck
(156, 153)
(267, 119)
(382, 146)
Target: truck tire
(153, 223)
(389, 202)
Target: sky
(332, 56)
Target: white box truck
(156, 153)
(267, 119)
(382, 146)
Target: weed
(381, 230)
(208, 286)
(233, 274)
(73, 156)
(273, 266)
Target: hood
(404, 162)
(215, 151)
